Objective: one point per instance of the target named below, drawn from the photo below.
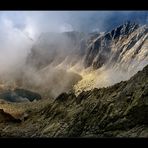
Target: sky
(32, 23)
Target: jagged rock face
(117, 111)
(124, 47)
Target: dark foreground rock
(117, 111)
(4, 116)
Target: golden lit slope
(102, 77)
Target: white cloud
(66, 28)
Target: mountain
(93, 57)
(77, 61)
(117, 111)
(124, 46)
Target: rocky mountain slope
(117, 111)
(114, 56)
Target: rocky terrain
(117, 111)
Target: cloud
(14, 47)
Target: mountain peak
(124, 29)
(100, 51)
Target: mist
(20, 32)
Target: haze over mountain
(76, 61)
(21, 30)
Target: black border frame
(74, 5)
